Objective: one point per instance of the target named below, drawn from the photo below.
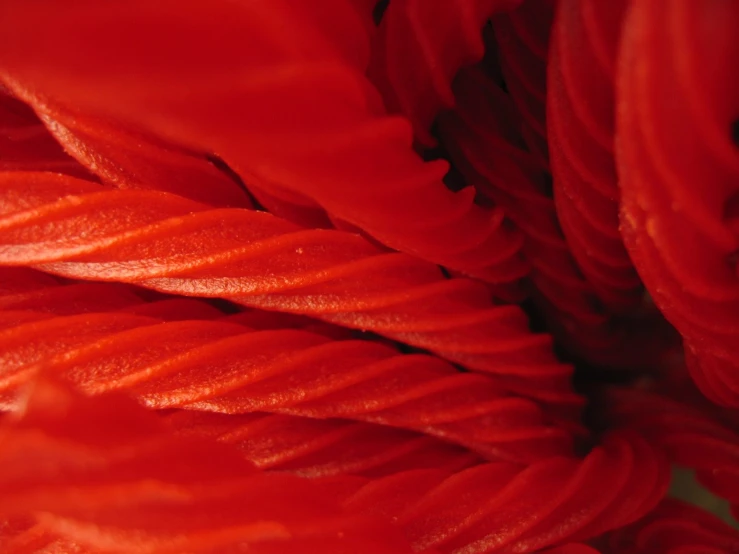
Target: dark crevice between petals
(224, 168)
(731, 218)
(379, 11)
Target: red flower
(382, 277)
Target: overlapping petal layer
(482, 136)
(500, 508)
(420, 48)
(223, 366)
(127, 158)
(322, 448)
(25, 145)
(679, 175)
(581, 126)
(102, 475)
(692, 432)
(259, 109)
(675, 527)
(350, 380)
(175, 245)
(523, 48)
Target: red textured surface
(225, 367)
(174, 245)
(339, 335)
(523, 49)
(420, 47)
(482, 136)
(581, 127)
(675, 528)
(499, 508)
(25, 143)
(571, 549)
(679, 175)
(128, 159)
(360, 167)
(692, 433)
(104, 474)
(322, 448)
